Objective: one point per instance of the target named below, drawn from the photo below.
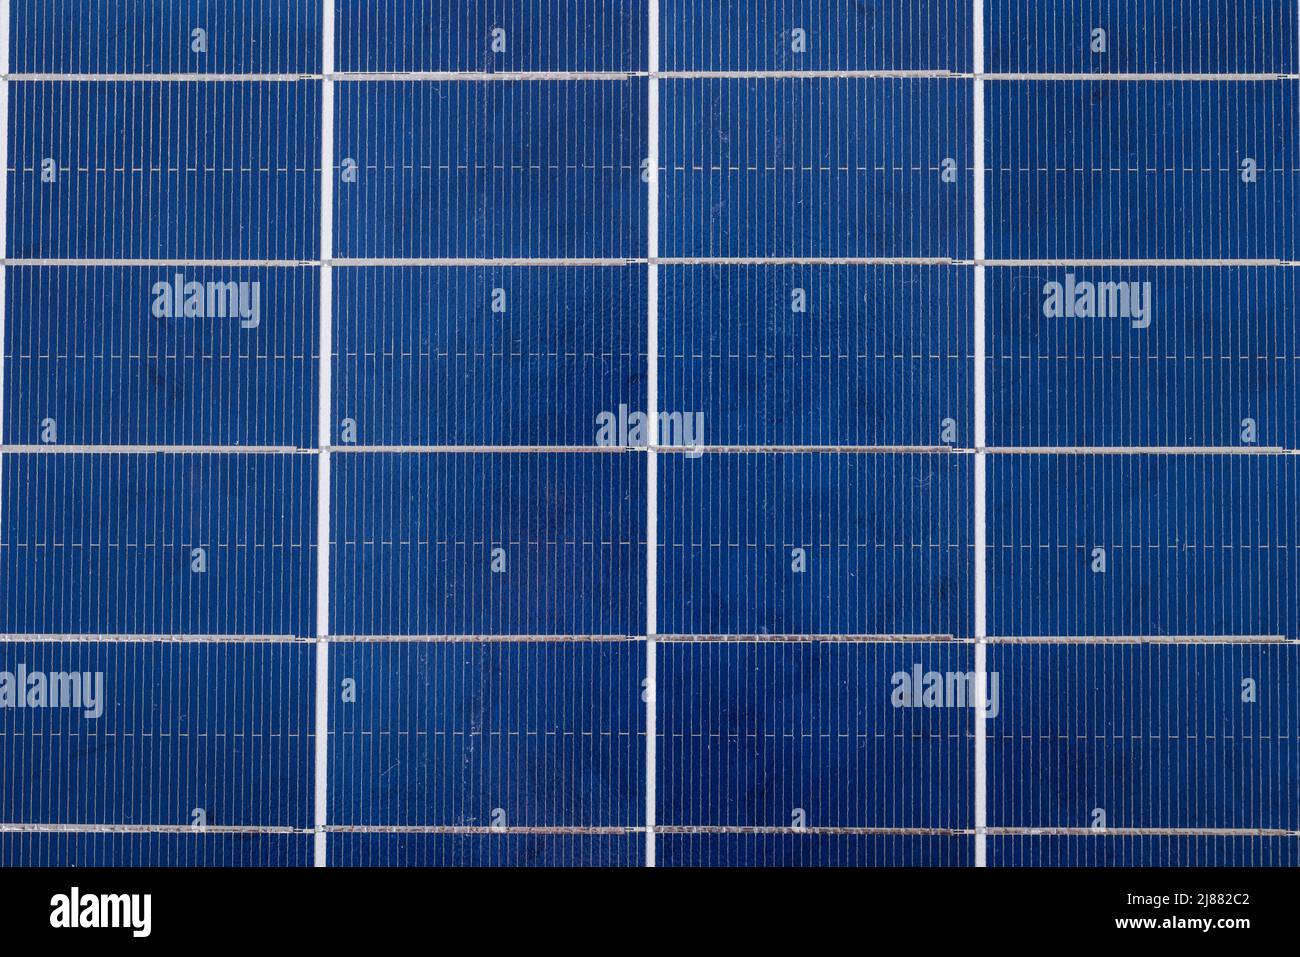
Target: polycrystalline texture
(171, 546)
(157, 170)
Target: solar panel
(649, 432)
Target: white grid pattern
(980, 552)
(324, 438)
(506, 76)
(652, 460)
(327, 77)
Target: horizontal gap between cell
(1139, 450)
(1138, 640)
(88, 638)
(1141, 832)
(498, 639)
(659, 638)
(846, 639)
(661, 829)
(677, 638)
(686, 451)
(55, 449)
(503, 262)
(514, 76)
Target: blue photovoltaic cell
(485, 290)
(165, 849)
(1215, 347)
(832, 168)
(456, 356)
(509, 849)
(415, 539)
(105, 544)
(729, 525)
(812, 850)
(1108, 850)
(445, 734)
(433, 35)
(223, 727)
(87, 348)
(818, 355)
(149, 36)
(206, 184)
(754, 732)
(1095, 170)
(1156, 735)
(878, 35)
(506, 169)
(1193, 546)
(1142, 36)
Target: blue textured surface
(489, 593)
(571, 528)
(432, 35)
(467, 375)
(448, 732)
(1112, 727)
(879, 35)
(537, 169)
(207, 183)
(1194, 546)
(837, 168)
(121, 375)
(881, 356)
(1097, 170)
(104, 544)
(145, 36)
(1155, 36)
(234, 717)
(728, 525)
(1222, 346)
(758, 730)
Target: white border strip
(715, 639)
(325, 346)
(580, 831)
(581, 76)
(652, 459)
(4, 205)
(979, 555)
(570, 830)
(500, 263)
(1246, 451)
(1239, 451)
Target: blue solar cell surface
(447, 730)
(818, 355)
(860, 763)
(976, 542)
(131, 170)
(1078, 173)
(503, 349)
(234, 716)
(1220, 347)
(544, 168)
(566, 532)
(99, 543)
(86, 349)
(840, 168)
(732, 528)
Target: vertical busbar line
(323, 436)
(4, 200)
(652, 413)
(979, 546)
